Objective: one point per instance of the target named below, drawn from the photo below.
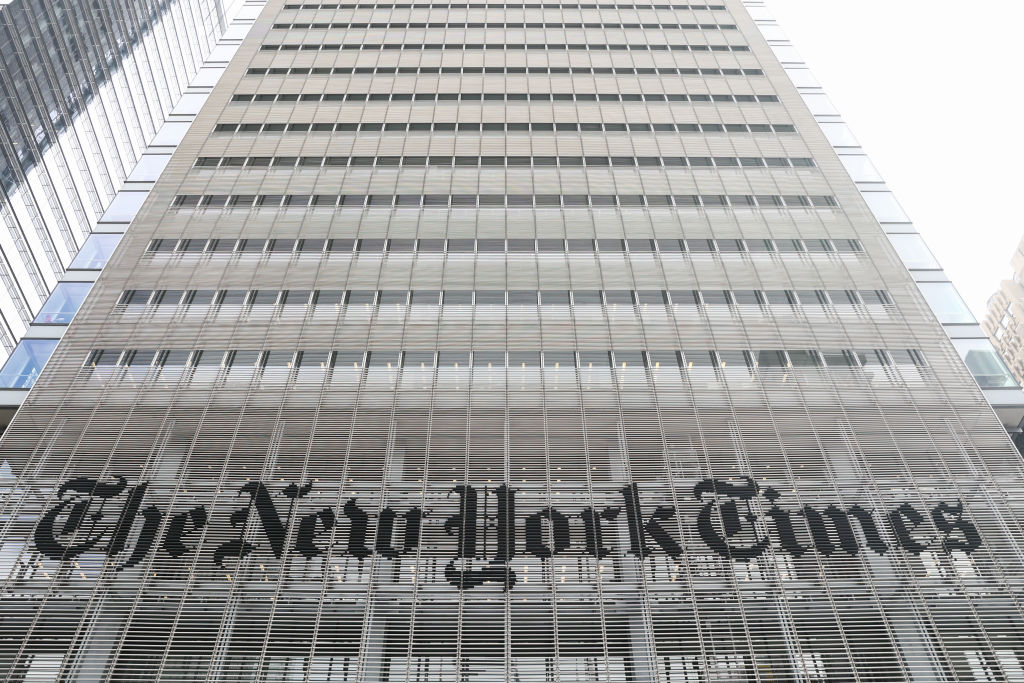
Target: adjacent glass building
(508, 342)
(90, 96)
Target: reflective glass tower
(90, 93)
(508, 342)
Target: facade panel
(508, 343)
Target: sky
(934, 91)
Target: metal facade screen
(519, 411)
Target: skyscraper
(1005, 308)
(92, 99)
(508, 342)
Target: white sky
(933, 91)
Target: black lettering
(971, 539)
(820, 530)
(151, 517)
(307, 532)
(506, 530)
(868, 528)
(79, 523)
(727, 523)
(783, 520)
(593, 531)
(178, 528)
(903, 521)
(358, 522)
(560, 540)
(463, 524)
(732, 521)
(413, 520)
(458, 572)
(273, 528)
(386, 527)
(639, 529)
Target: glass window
(149, 168)
(818, 104)
(945, 301)
(839, 135)
(96, 251)
(26, 362)
(984, 362)
(913, 251)
(124, 207)
(860, 168)
(885, 207)
(804, 359)
(452, 298)
(63, 302)
(771, 359)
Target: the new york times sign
(738, 520)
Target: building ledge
(1008, 404)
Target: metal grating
(639, 443)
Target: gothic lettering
(535, 536)
(949, 519)
(386, 527)
(823, 539)
(904, 520)
(737, 520)
(784, 529)
(639, 529)
(358, 524)
(733, 522)
(868, 528)
(83, 526)
(459, 572)
(593, 531)
(269, 519)
(178, 528)
(307, 533)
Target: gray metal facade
(509, 354)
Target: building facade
(1005, 310)
(508, 342)
(1000, 388)
(91, 95)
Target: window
(885, 207)
(913, 251)
(96, 251)
(472, 161)
(25, 363)
(548, 127)
(771, 359)
(457, 297)
(124, 207)
(499, 5)
(985, 364)
(497, 97)
(514, 245)
(63, 303)
(241, 364)
(499, 25)
(945, 301)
